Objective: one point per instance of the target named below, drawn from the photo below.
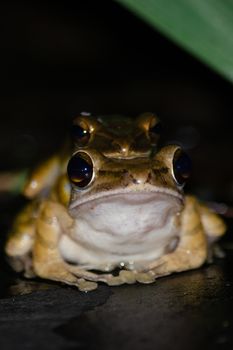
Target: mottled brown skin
(125, 158)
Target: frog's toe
(86, 286)
(114, 281)
(145, 277)
(22, 264)
(128, 277)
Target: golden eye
(181, 167)
(80, 170)
(81, 133)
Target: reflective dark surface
(64, 58)
(192, 309)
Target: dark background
(61, 58)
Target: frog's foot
(20, 241)
(218, 251)
(22, 264)
(124, 276)
(58, 272)
(215, 251)
(180, 260)
(18, 250)
(107, 278)
(133, 276)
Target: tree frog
(112, 209)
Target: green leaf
(202, 27)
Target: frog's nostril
(130, 178)
(116, 146)
(136, 181)
(139, 178)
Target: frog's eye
(155, 130)
(80, 133)
(80, 170)
(181, 167)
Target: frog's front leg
(21, 239)
(47, 261)
(192, 250)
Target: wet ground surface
(187, 310)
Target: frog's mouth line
(142, 196)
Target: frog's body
(127, 212)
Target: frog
(110, 208)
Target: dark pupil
(80, 134)
(80, 170)
(181, 167)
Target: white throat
(121, 228)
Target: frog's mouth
(136, 195)
(115, 202)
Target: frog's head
(117, 137)
(116, 170)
